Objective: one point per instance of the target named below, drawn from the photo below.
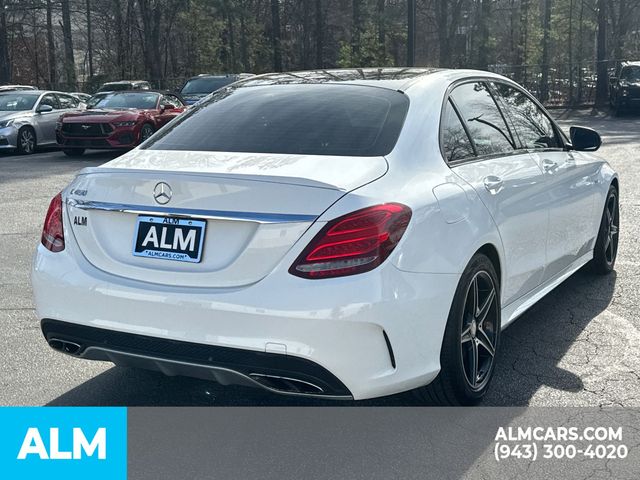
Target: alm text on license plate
(169, 238)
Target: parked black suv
(625, 89)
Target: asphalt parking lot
(577, 347)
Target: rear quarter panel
(449, 223)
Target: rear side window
(484, 120)
(531, 124)
(455, 141)
(50, 99)
(291, 119)
(67, 101)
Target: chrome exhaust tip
(64, 346)
(286, 384)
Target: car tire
(73, 152)
(27, 141)
(146, 131)
(464, 354)
(606, 248)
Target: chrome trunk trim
(256, 217)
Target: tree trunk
(482, 61)
(442, 17)
(69, 61)
(382, 32)
(275, 35)
(151, 19)
(319, 35)
(36, 57)
(306, 34)
(570, 48)
(244, 55)
(356, 27)
(546, 31)
(448, 17)
(602, 80)
(621, 29)
(5, 68)
(231, 38)
(512, 33)
(120, 52)
(411, 33)
(521, 49)
(580, 54)
(89, 39)
(51, 47)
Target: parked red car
(119, 120)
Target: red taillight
(355, 243)
(52, 232)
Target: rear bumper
(278, 373)
(377, 333)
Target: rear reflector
(52, 232)
(355, 243)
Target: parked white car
(28, 118)
(343, 234)
(9, 88)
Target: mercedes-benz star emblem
(162, 193)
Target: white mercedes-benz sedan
(341, 234)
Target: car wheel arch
(615, 183)
(491, 252)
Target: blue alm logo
(52, 442)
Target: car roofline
(421, 74)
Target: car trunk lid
(254, 211)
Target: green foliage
(371, 52)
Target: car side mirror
(44, 109)
(167, 106)
(584, 139)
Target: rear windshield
(291, 119)
(206, 85)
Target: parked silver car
(28, 118)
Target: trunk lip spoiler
(257, 217)
(244, 177)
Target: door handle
(493, 184)
(549, 166)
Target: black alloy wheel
(471, 338)
(606, 248)
(479, 335)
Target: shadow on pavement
(535, 344)
(530, 352)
